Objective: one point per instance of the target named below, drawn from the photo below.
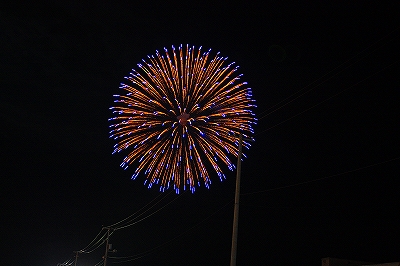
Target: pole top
(238, 135)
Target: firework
(179, 117)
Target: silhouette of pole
(236, 209)
(106, 253)
(76, 257)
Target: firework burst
(179, 117)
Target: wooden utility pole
(236, 210)
(108, 237)
(76, 257)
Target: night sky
(320, 180)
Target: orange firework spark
(179, 116)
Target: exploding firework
(179, 117)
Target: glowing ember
(183, 118)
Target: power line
(326, 99)
(100, 263)
(322, 178)
(135, 217)
(130, 216)
(99, 239)
(67, 262)
(132, 222)
(148, 252)
(323, 81)
(94, 239)
(99, 244)
(93, 246)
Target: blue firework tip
(115, 151)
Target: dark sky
(320, 180)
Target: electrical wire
(146, 253)
(67, 262)
(162, 195)
(322, 178)
(94, 247)
(328, 78)
(89, 246)
(159, 209)
(115, 225)
(326, 99)
(99, 239)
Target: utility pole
(106, 253)
(76, 257)
(236, 210)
